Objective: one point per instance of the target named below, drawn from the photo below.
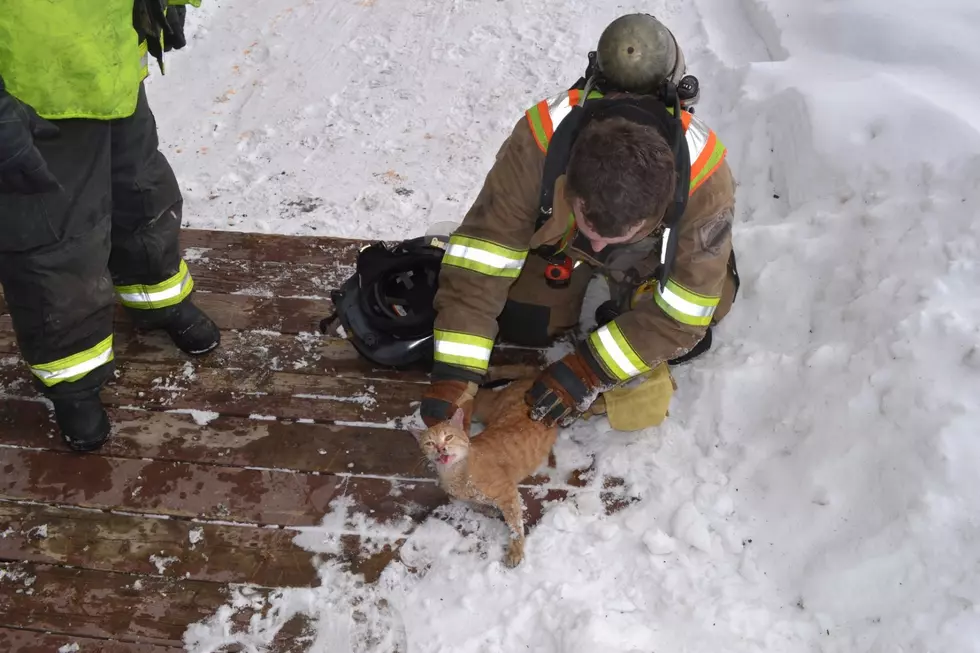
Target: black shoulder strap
(682, 164)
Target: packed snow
(815, 487)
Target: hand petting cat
(567, 388)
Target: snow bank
(815, 487)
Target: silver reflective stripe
(159, 296)
(683, 305)
(663, 246)
(697, 137)
(448, 348)
(559, 108)
(615, 351)
(478, 255)
(75, 370)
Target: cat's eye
(449, 436)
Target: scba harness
(574, 112)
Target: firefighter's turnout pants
(111, 232)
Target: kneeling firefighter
(90, 210)
(616, 176)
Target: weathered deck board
(280, 430)
(126, 543)
(311, 354)
(206, 551)
(110, 605)
(230, 441)
(191, 490)
(248, 246)
(250, 496)
(245, 392)
(32, 641)
(251, 312)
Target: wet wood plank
(152, 546)
(251, 312)
(245, 312)
(97, 604)
(238, 442)
(230, 441)
(32, 641)
(251, 496)
(191, 490)
(244, 392)
(177, 548)
(250, 246)
(297, 353)
(268, 278)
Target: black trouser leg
(54, 253)
(146, 262)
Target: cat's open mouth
(444, 459)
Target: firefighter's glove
(566, 388)
(22, 168)
(444, 397)
(174, 40)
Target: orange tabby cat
(487, 468)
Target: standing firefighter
(89, 208)
(615, 175)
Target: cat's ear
(457, 420)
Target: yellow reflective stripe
(484, 257)
(462, 349)
(615, 351)
(717, 154)
(76, 366)
(542, 133)
(685, 306)
(167, 293)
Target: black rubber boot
(82, 420)
(191, 329)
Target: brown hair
(623, 172)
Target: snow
(195, 535)
(815, 486)
(200, 417)
(162, 562)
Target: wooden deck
(119, 551)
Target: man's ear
(457, 420)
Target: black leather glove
(22, 168)
(567, 387)
(175, 21)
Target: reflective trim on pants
(75, 366)
(162, 295)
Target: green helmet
(637, 53)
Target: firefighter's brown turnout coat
(489, 251)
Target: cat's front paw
(515, 553)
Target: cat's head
(445, 443)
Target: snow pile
(815, 488)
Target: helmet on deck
(637, 54)
(385, 308)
